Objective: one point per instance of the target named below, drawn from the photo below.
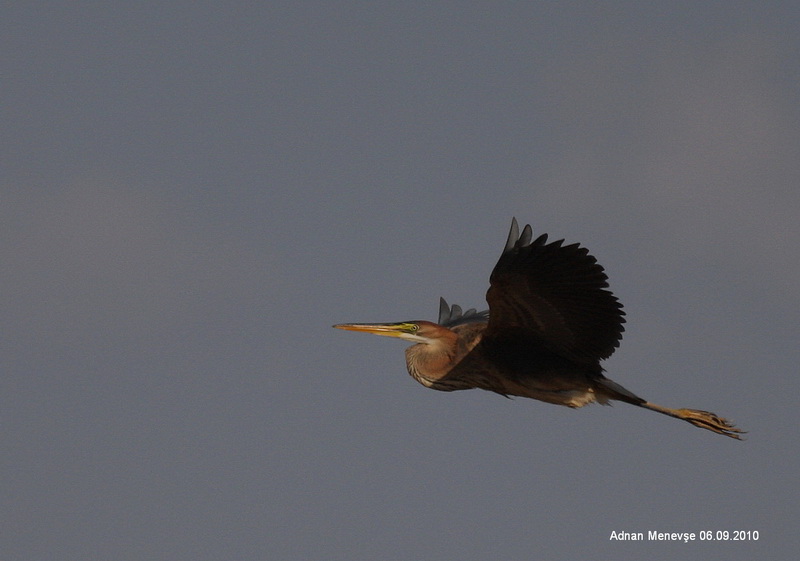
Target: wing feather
(450, 316)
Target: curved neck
(429, 362)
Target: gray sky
(191, 194)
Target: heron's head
(424, 332)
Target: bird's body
(551, 320)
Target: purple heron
(551, 320)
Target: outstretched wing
(555, 294)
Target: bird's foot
(710, 421)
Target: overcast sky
(191, 193)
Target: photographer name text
(685, 537)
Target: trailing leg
(703, 419)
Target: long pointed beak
(406, 331)
(385, 329)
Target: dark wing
(555, 294)
(452, 316)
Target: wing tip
(513, 236)
(454, 315)
(516, 239)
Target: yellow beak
(407, 331)
(386, 329)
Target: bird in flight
(551, 320)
